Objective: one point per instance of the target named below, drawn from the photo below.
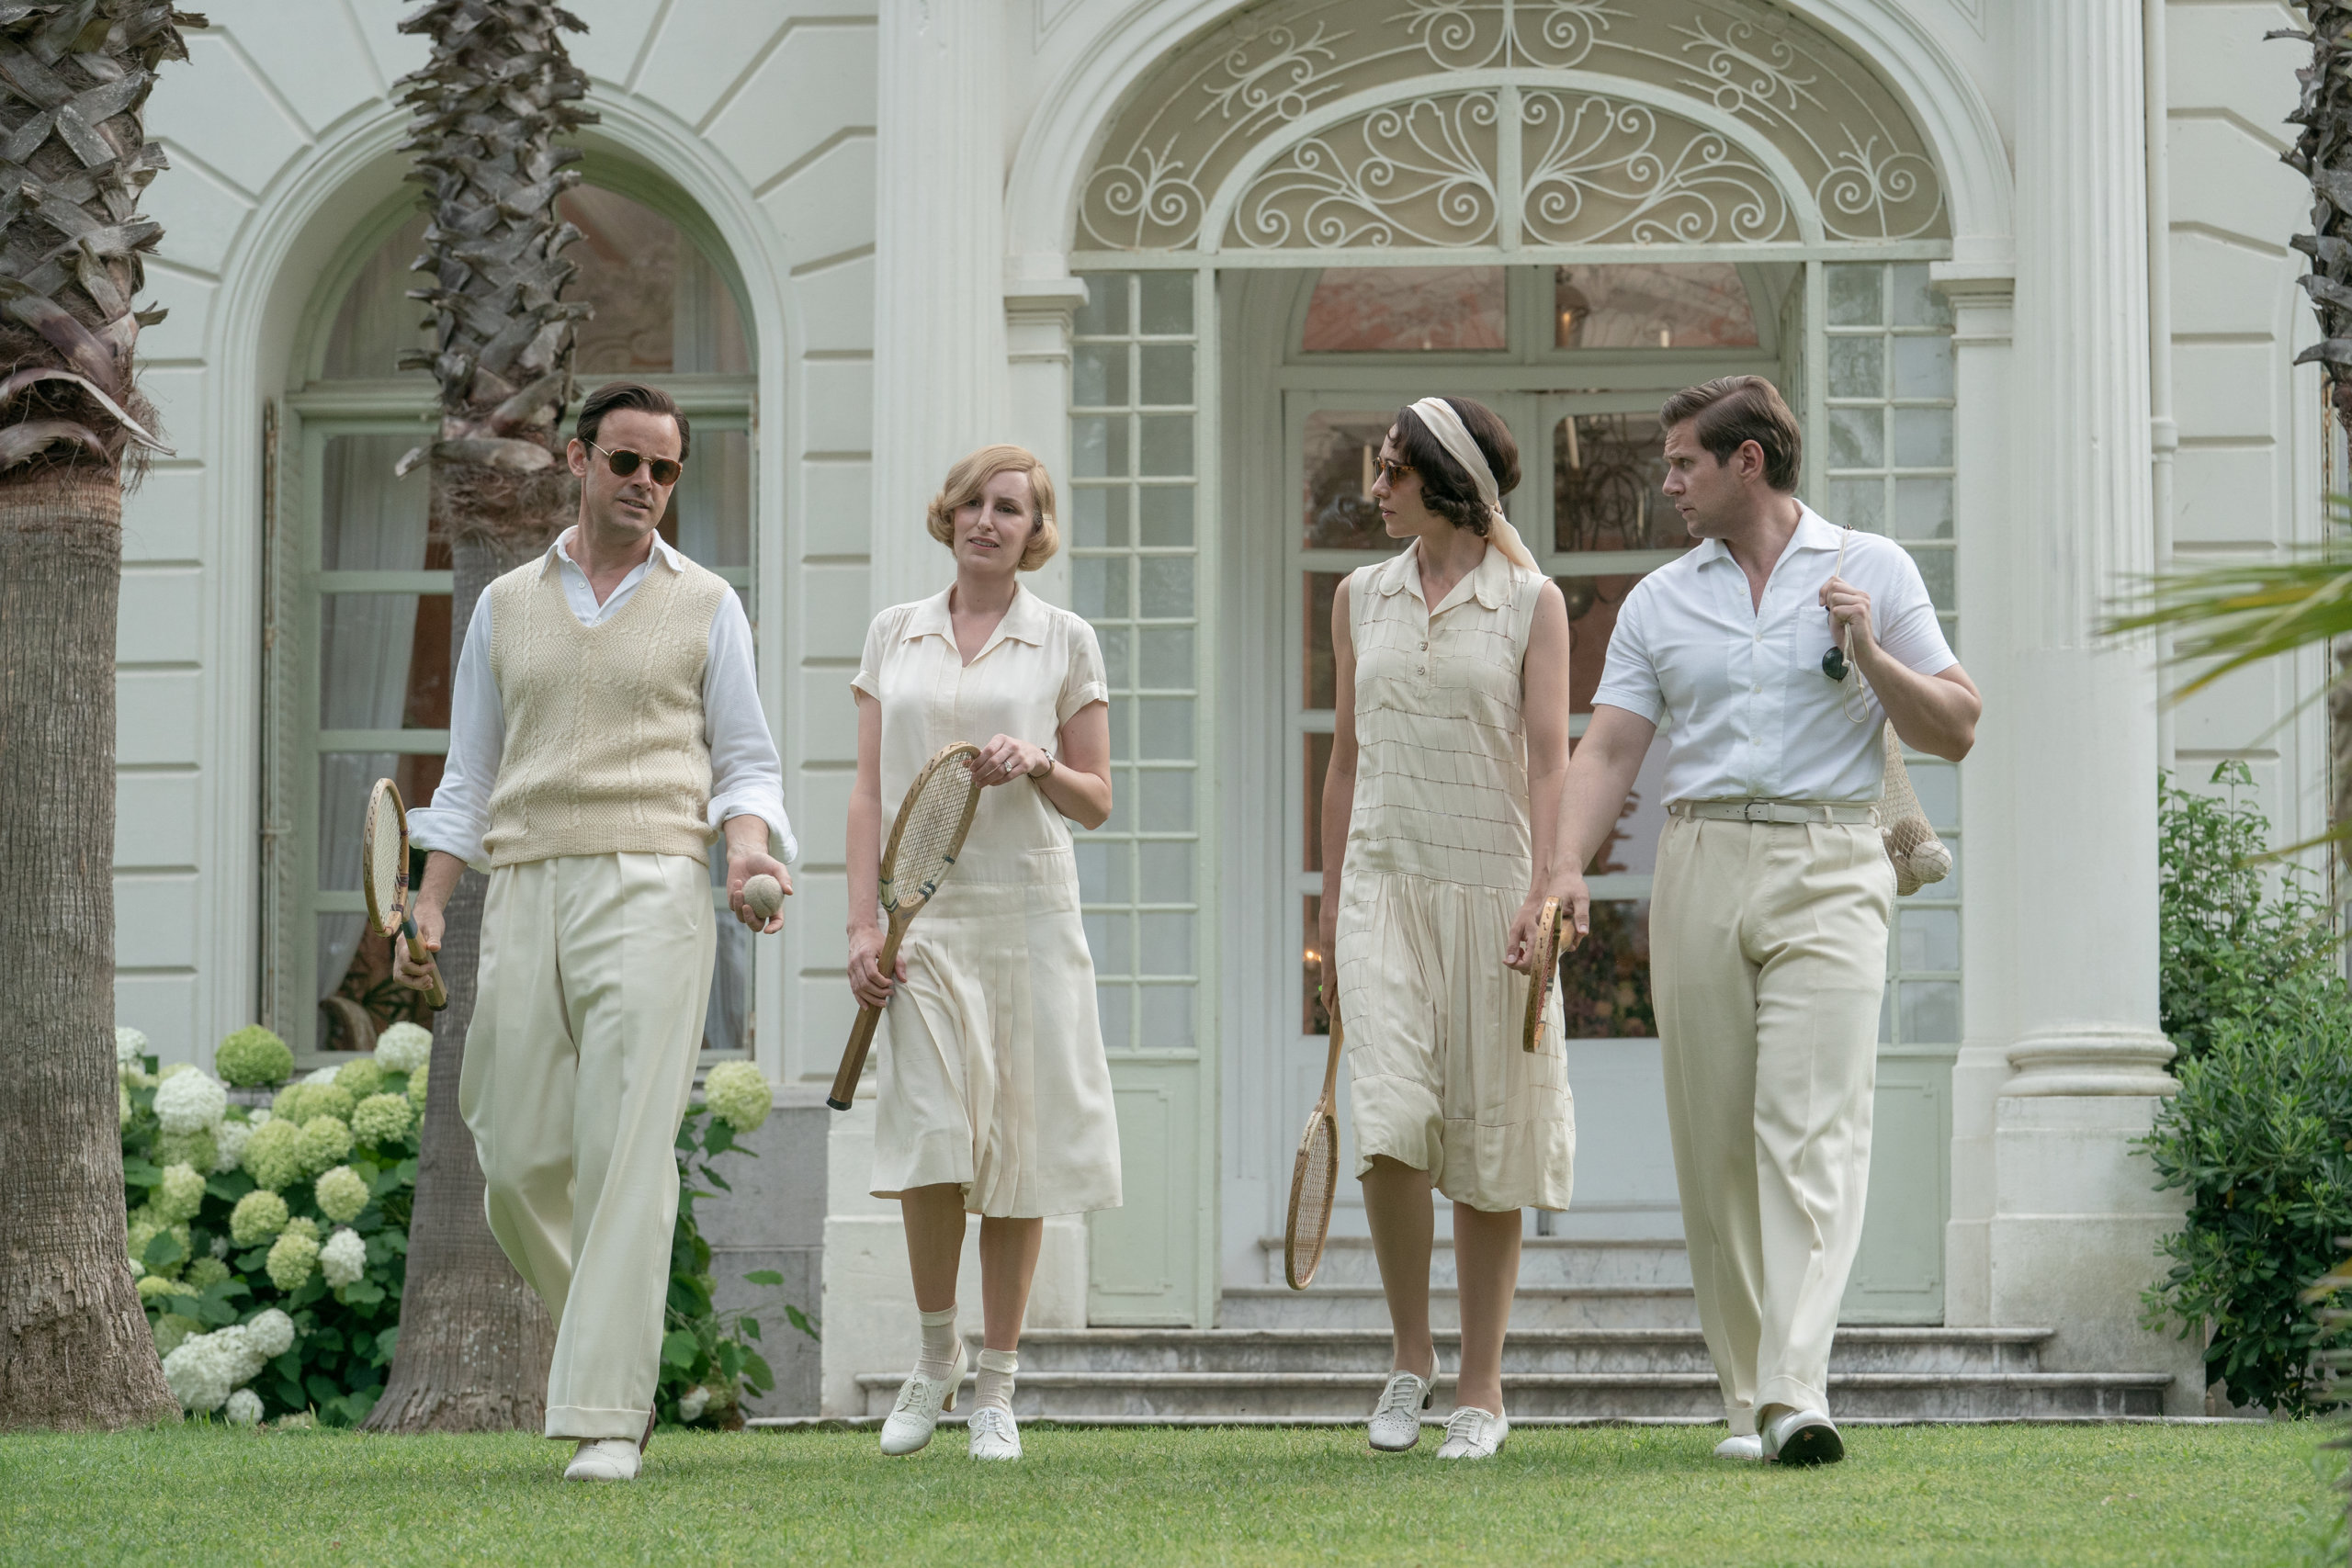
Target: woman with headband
(1438, 814)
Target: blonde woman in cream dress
(1438, 815)
(995, 1096)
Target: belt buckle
(1757, 811)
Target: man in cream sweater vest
(605, 731)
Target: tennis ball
(764, 896)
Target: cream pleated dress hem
(990, 1065)
(1438, 860)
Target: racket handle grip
(861, 1037)
(438, 996)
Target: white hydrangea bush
(269, 1244)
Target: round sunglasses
(663, 472)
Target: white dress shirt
(746, 777)
(1739, 686)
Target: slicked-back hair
(1446, 486)
(1735, 409)
(636, 395)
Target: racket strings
(929, 841)
(1315, 1186)
(385, 871)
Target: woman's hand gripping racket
(924, 842)
(1543, 969)
(384, 872)
(1315, 1175)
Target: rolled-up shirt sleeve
(1628, 678)
(746, 775)
(459, 815)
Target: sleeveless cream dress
(1439, 859)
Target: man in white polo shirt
(1769, 912)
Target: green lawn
(1132, 1497)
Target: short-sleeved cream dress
(991, 1069)
(1438, 860)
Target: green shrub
(252, 1056)
(2228, 941)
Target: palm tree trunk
(74, 1347)
(475, 1341)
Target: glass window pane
(1166, 727)
(1917, 302)
(1098, 446)
(727, 1015)
(1605, 982)
(384, 662)
(1922, 438)
(371, 521)
(1167, 800)
(1166, 375)
(1856, 294)
(1114, 641)
(1322, 680)
(1923, 366)
(1102, 871)
(1631, 847)
(1938, 786)
(1670, 305)
(376, 319)
(1098, 375)
(1931, 938)
(1123, 800)
(1099, 585)
(1930, 1012)
(1340, 460)
(1592, 617)
(1886, 1014)
(1313, 1017)
(1318, 763)
(1166, 443)
(1122, 721)
(358, 998)
(1167, 947)
(1107, 938)
(1923, 509)
(1099, 517)
(1937, 569)
(1168, 1017)
(1856, 439)
(1391, 310)
(1167, 516)
(1167, 303)
(1167, 873)
(1116, 1006)
(1858, 504)
(1858, 366)
(1606, 473)
(1166, 657)
(1168, 586)
(709, 520)
(659, 305)
(1105, 311)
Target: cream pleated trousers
(595, 973)
(1768, 958)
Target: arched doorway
(357, 641)
(1340, 205)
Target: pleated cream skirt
(992, 1074)
(1437, 1079)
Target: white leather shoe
(1802, 1437)
(1473, 1433)
(1396, 1419)
(602, 1458)
(1750, 1447)
(994, 1433)
(920, 1399)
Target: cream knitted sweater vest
(604, 750)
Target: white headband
(1441, 421)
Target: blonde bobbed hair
(971, 475)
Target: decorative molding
(2092, 1061)
(1437, 160)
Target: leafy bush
(2260, 1138)
(2227, 941)
(310, 1222)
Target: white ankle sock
(994, 1385)
(938, 1358)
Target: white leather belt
(1775, 811)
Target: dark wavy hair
(1446, 486)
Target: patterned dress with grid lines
(1439, 859)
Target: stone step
(1306, 1397)
(1543, 1262)
(1558, 1307)
(1273, 1352)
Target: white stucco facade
(901, 191)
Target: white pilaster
(2070, 1241)
(1037, 315)
(939, 346)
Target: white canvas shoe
(994, 1433)
(1802, 1437)
(1396, 1419)
(1750, 1448)
(602, 1458)
(920, 1399)
(1473, 1433)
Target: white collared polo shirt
(1739, 688)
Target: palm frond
(2230, 615)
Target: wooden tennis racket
(1543, 971)
(383, 855)
(1314, 1176)
(924, 842)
